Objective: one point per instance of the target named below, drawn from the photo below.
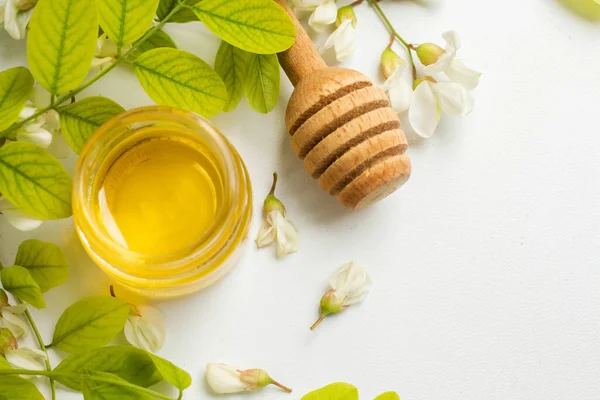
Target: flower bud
(7, 341)
(429, 53)
(25, 5)
(3, 298)
(272, 203)
(344, 13)
(390, 61)
(225, 379)
(423, 79)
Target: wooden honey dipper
(342, 127)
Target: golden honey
(162, 201)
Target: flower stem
(61, 99)
(318, 322)
(280, 386)
(274, 184)
(40, 341)
(393, 31)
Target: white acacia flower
(324, 15)
(431, 99)
(224, 379)
(398, 89)
(106, 53)
(436, 60)
(145, 328)
(26, 358)
(349, 284)
(10, 318)
(276, 227)
(37, 131)
(16, 14)
(17, 218)
(343, 39)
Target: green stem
(69, 95)
(105, 379)
(393, 31)
(40, 341)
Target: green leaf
(182, 16)
(16, 85)
(18, 281)
(127, 362)
(335, 391)
(177, 78)
(388, 396)
(263, 82)
(61, 42)
(17, 388)
(172, 373)
(89, 323)
(80, 120)
(156, 41)
(45, 262)
(257, 26)
(93, 388)
(231, 64)
(125, 21)
(34, 181)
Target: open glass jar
(162, 201)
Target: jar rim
(105, 246)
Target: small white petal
(147, 331)
(15, 20)
(399, 90)
(424, 113)
(106, 47)
(352, 282)
(288, 240)
(342, 41)
(17, 218)
(26, 358)
(224, 379)
(266, 234)
(38, 135)
(27, 112)
(14, 323)
(460, 73)
(306, 5)
(453, 98)
(323, 16)
(98, 64)
(444, 61)
(52, 120)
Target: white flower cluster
(443, 88)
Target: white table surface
(485, 265)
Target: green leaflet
(125, 21)
(177, 78)
(45, 262)
(172, 373)
(128, 363)
(89, 323)
(18, 281)
(388, 396)
(17, 388)
(98, 390)
(61, 42)
(231, 64)
(257, 26)
(335, 391)
(16, 85)
(34, 181)
(80, 120)
(262, 82)
(181, 16)
(156, 41)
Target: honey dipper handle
(302, 58)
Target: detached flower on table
(431, 99)
(276, 227)
(16, 14)
(350, 284)
(145, 328)
(11, 316)
(224, 379)
(343, 39)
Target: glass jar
(192, 265)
